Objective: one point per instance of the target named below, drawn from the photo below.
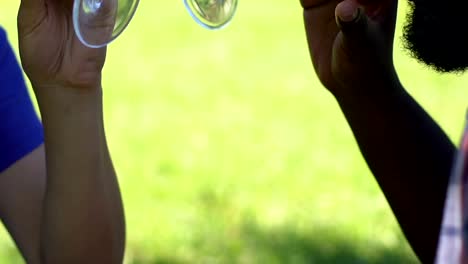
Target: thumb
(352, 21)
(361, 49)
(359, 34)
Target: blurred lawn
(230, 151)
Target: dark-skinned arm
(351, 45)
(410, 157)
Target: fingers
(308, 4)
(347, 11)
(32, 5)
(359, 32)
(30, 14)
(362, 41)
(352, 21)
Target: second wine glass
(212, 14)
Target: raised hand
(51, 53)
(350, 42)
(82, 218)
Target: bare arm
(82, 219)
(411, 159)
(77, 215)
(22, 188)
(408, 153)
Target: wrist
(375, 88)
(370, 80)
(59, 100)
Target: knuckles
(308, 4)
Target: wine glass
(211, 14)
(98, 22)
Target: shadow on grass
(254, 244)
(323, 246)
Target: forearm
(83, 219)
(409, 155)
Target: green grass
(229, 150)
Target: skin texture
(407, 152)
(21, 192)
(61, 202)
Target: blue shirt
(20, 128)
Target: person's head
(436, 33)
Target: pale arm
(21, 192)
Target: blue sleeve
(20, 128)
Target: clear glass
(98, 22)
(212, 14)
